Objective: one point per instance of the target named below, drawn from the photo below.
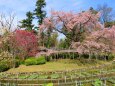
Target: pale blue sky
(20, 7)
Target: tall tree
(73, 25)
(27, 23)
(39, 12)
(106, 11)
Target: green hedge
(7, 64)
(111, 56)
(41, 60)
(35, 61)
(17, 63)
(49, 84)
(3, 66)
(31, 61)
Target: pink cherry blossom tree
(92, 48)
(73, 25)
(98, 42)
(105, 36)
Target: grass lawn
(65, 64)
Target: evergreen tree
(39, 12)
(27, 23)
(93, 10)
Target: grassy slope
(57, 65)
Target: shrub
(21, 62)
(48, 58)
(30, 61)
(8, 59)
(3, 66)
(97, 83)
(49, 84)
(41, 60)
(111, 56)
(17, 63)
(55, 76)
(85, 56)
(35, 61)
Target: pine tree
(27, 23)
(39, 12)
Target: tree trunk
(89, 56)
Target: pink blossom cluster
(97, 40)
(101, 41)
(92, 47)
(25, 42)
(69, 20)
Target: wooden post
(80, 72)
(69, 55)
(26, 78)
(73, 55)
(66, 56)
(80, 83)
(71, 79)
(38, 77)
(57, 56)
(104, 82)
(17, 78)
(8, 84)
(58, 82)
(65, 79)
(76, 83)
(63, 55)
(13, 84)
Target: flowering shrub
(23, 43)
(7, 61)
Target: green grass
(43, 77)
(34, 76)
(59, 65)
(55, 76)
(23, 77)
